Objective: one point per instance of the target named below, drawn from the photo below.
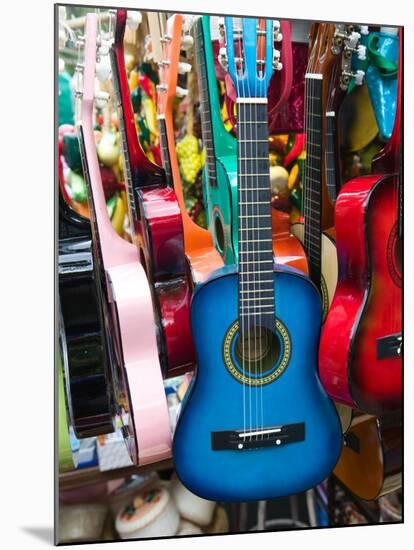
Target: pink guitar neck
(115, 250)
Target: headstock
(249, 55)
(332, 44)
(167, 42)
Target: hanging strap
(388, 69)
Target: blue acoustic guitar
(255, 422)
(220, 172)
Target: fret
(206, 120)
(256, 290)
(257, 313)
(254, 202)
(256, 298)
(253, 141)
(253, 216)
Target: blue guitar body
(218, 402)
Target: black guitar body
(86, 353)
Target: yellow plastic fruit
(118, 216)
(293, 178)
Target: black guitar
(85, 352)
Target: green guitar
(220, 171)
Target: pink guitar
(136, 370)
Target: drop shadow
(44, 534)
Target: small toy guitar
(330, 45)
(137, 384)
(256, 334)
(83, 348)
(203, 257)
(220, 174)
(156, 225)
(360, 356)
(370, 464)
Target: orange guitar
(198, 243)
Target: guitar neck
(313, 175)
(165, 153)
(140, 172)
(205, 102)
(256, 280)
(331, 158)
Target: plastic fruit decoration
(78, 187)
(118, 216)
(109, 182)
(71, 150)
(108, 148)
(189, 158)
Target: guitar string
(246, 277)
(253, 147)
(230, 45)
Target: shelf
(90, 476)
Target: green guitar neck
(220, 172)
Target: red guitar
(360, 362)
(156, 226)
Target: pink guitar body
(130, 303)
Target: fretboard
(129, 182)
(206, 119)
(331, 160)
(256, 279)
(313, 175)
(165, 154)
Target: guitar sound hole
(219, 232)
(258, 350)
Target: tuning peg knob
(354, 39)
(187, 42)
(222, 58)
(101, 99)
(103, 69)
(184, 68)
(277, 66)
(363, 29)
(181, 92)
(362, 52)
(134, 19)
(359, 77)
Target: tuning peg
(181, 92)
(353, 39)
(363, 29)
(277, 35)
(101, 99)
(134, 19)
(359, 77)
(184, 68)
(362, 52)
(277, 66)
(103, 69)
(187, 42)
(222, 58)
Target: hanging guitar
(370, 464)
(257, 358)
(220, 174)
(137, 384)
(330, 44)
(360, 357)
(168, 38)
(340, 80)
(156, 224)
(83, 348)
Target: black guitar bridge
(239, 440)
(389, 346)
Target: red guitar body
(360, 361)
(367, 301)
(158, 230)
